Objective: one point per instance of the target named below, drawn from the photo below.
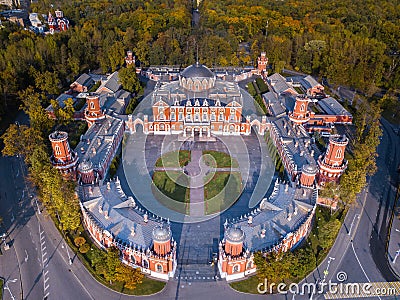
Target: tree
(328, 232)
(79, 241)
(84, 248)
(64, 115)
(129, 79)
(47, 82)
(18, 140)
(116, 55)
(112, 262)
(32, 106)
(129, 276)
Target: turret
(93, 111)
(86, 174)
(262, 62)
(307, 176)
(332, 164)
(162, 239)
(129, 58)
(63, 158)
(234, 238)
(300, 113)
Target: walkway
(196, 170)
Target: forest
(352, 43)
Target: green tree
(18, 140)
(47, 82)
(79, 241)
(32, 106)
(128, 276)
(328, 232)
(129, 79)
(112, 263)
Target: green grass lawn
(148, 287)
(248, 285)
(221, 190)
(222, 160)
(174, 185)
(262, 86)
(174, 159)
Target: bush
(79, 241)
(84, 248)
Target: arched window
(236, 268)
(57, 149)
(338, 153)
(302, 107)
(159, 268)
(92, 105)
(145, 264)
(133, 260)
(249, 265)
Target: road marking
(44, 260)
(47, 272)
(47, 295)
(44, 253)
(362, 269)
(46, 287)
(44, 247)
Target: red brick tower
(63, 158)
(234, 238)
(86, 174)
(300, 113)
(162, 240)
(93, 111)
(332, 164)
(129, 59)
(308, 173)
(262, 62)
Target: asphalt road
(359, 250)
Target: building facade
(144, 242)
(57, 23)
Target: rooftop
(280, 214)
(197, 71)
(296, 142)
(85, 80)
(111, 84)
(118, 214)
(332, 107)
(279, 84)
(98, 140)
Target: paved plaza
(197, 235)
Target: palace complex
(198, 102)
